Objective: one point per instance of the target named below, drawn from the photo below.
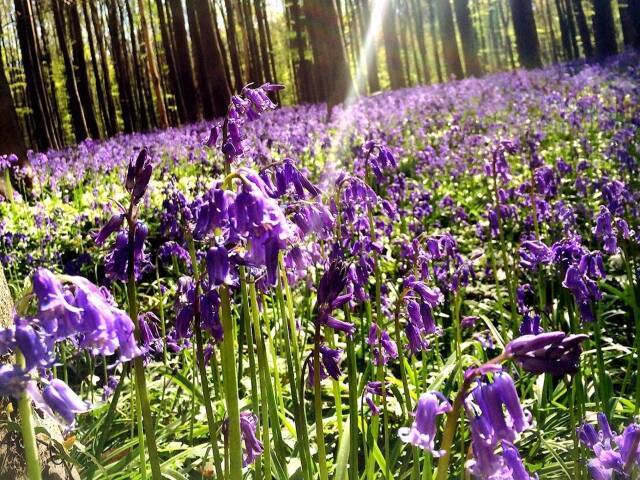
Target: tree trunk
(75, 105)
(212, 62)
(434, 39)
(104, 112)
(332, 76)
(448, 38)
(152, 64)
(233, 44)
(524, 25)
(371, 59)
(603, 28)
(81, 71)
(170, 58)
(391, 47)
(11, 139)
(420, 37)
(36, 92)
(144, 114)
(468, 38)
(583, 28)
(564, 30)
(183, 61)
(122, 72)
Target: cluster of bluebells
(420, 301)
(128, 252)
(580, 268)
(78, 312)
(497, 419)
(616, 456)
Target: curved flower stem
(231, 387)
(202, 366)
(317, 403)
(263, 378)
(31, 455)
(353, 403)
(141, 381)
(452, 420)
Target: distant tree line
(74, 69)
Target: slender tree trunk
(449, 40)
(392, 48)
(371, 59)
(552, 32)
(170, 58)
(81, 70)
(564, 30)
(122, 73)
(332, 75)
(183, 61)
(104, 112)
(36, 91)
(468, 38)
(11, 138)
(434, 39)
(75, 105)
(96, 21)
(572, 28)
(144, 112)
(583, 28)
(603, 28)
(524, 25)
(212, 61)
(233, 44)
(152, 65)
(420, 37)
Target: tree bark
(583, 28)
(11, 139)
(371, 59)
(448, 39)
(36, 91)
(332, 77)
(524, 25)
(212, 62)
(183, 61)
(233, 44)
(152, 64)
(75, 105)
(392, 48)
(420, 37)
(104, 112)
(603, 28)
(468, 38)
(81, 70)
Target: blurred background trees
(77, 69)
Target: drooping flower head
(423, 430)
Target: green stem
(264, 378)
(353, 404)
(231, 387)
(317, 403)
(141, 386)
(27, 428)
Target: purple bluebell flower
(616, 456)
(383, 347)
(552, 352)
(13, 381)
(138, 175)
(33, 346)
(63, 401)
(253, 447)
(112, 226)
(423, 430)
(330, 297)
